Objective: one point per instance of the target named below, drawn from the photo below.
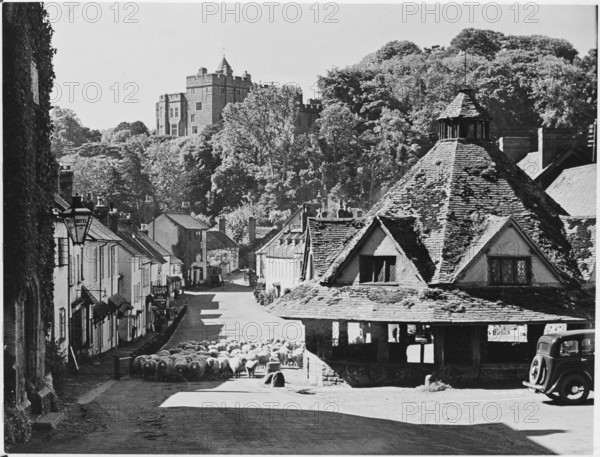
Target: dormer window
(509, 271)
(379, 269)
(464, 118)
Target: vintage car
(563, 367)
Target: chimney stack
(65, 182)
(101, 212)
(113, 219)
(514, 147)
(251, 229)
(551, 142)
(222, 225)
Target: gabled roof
(497, 305)
(328, 237)
(402, 231)
(492, 227)
(131, 245)
(464, 106)
(216, 239)
(575, 190)
(581, 233)
(454, 185)
(151, 248)
(99, 232)
(186, 221)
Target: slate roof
(186, 221)
(131, 245)
(455, 186)
(328, 237)
(216, 239)
(464, 106)
(498, 305)
(581, 233)
(575, 190)
(151, 247)
(224, 66)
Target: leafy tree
(484, 43)
(136, 128)
(396, 49)
(68, 133)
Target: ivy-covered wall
(30, 179)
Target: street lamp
(77, 219)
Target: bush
(56, 364)
(17, 426)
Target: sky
(113, 60)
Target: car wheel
(573, 389)
(537, 370)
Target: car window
(569, 348)
(587, 346)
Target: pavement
(243, 416)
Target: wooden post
(476, 349)
(403, 341)
(343, 336)
(438, 345)
(117, 365)
(422, 354)
(379, 333)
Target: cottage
(185, 237)
(279, 262)
(463, 242)
(86, 277)
(222, 252)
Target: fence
(150, 347)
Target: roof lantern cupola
(464, 118)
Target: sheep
(251, 367)
(297, 357)
(212, 367)
(283, 354)
(246, 348)
(235, 352)
(263, 358)
(164, 368)
(237, 365)
(181, 367)
(137, 363)
(148, 368)
(196, 368)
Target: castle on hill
(206, 95)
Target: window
(61, 257)
(71, 271)
(569, 348)
(62, 324)
(113, 261)
(95, 263)
(509, 270)
(194, 129)
(193, 118)
(198, 106)
(173, 129)
(101, 259)
(170, 112)
(161, 112)
(146, 276)
(176, 112)
(587, 346)
(377, 269)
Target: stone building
(206, 95)
(463, 242)
(30, 177)
(185, 237)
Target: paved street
(243, 416)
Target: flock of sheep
(193, 361)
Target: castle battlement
(206, 96)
